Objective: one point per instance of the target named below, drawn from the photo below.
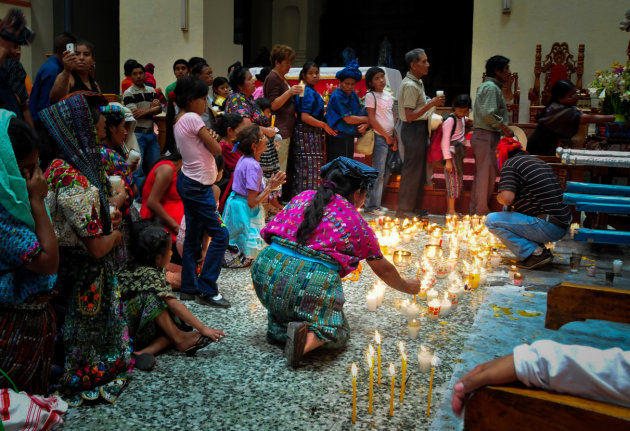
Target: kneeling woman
(315, 240)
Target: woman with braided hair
(315, 240)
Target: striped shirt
(490, 110)
(536, 187)
(140, 98)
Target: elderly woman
(560, 120)
(315, 240)
(96, 344)
(28, 261)
(242, 103)
(345, 114)
(280, 94)
(77, 72)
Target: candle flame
(403, 355)
(371, 350)
(354, 370)
(377, 337)
(392, 369)
(423, 348)
(369, 359)
(401, 347)
(435, 361)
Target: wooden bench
(516, 408)
(570, 302)
(603, 200)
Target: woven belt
(551, 219)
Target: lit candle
(441, 270)
(372, 300)
(424, 358)
(412, 311)
(403, 360)
(453, 295)
(418, 271)
(518, 279)
(392, 372)
(354, 392)
(434, 309)
(445, 305)
(377, 338)
(413, 328)
(434, 363)
(473, 278)
(273, 120)
(370, 361)
(513, 270)
(432, 294)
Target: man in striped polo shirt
(533, 210)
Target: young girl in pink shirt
(197, 145)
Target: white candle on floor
(445, 305)
(372, 301)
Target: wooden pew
(516, 408)
(570, 302)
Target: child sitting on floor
(244, 215)
(155, 318)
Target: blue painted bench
(602, 199)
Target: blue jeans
(521, 233)
(379, 156)
(150, 153)
(201, 214)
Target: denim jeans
(522, 233)
(201, 214)
(379, 156)
(150, 153)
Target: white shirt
(578, 370)
(384, 103)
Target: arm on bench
(519, 408)
(570, 302)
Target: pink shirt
(342, 234)
(458, 135)
(198, 162)
(258, 93)
(383, 103)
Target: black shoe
(183, 296)
(144, 362)
(421, 213)
(204, 299)
(296, 340)
(534, 261)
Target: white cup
(303, 88)
(112, 210)
(439, 93)
(133, 156)
(116, 181)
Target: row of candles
(427, 361)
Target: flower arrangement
(613, 87)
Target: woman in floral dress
(95, 340)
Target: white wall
(218, 38)
(157, 37)
(515, 35)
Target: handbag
(365, 143)
(393, 162)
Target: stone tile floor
(243, 383)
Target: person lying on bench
(533, 210)
(583, 371)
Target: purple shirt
(247, 176)
(342, 234)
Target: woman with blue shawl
(345, 114)
(307, 147)
(95, 339)
(29, 258)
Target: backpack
(435, 145)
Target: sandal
(144, 362)
(296, 340)
(202, 342)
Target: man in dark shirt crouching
(533, 210)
